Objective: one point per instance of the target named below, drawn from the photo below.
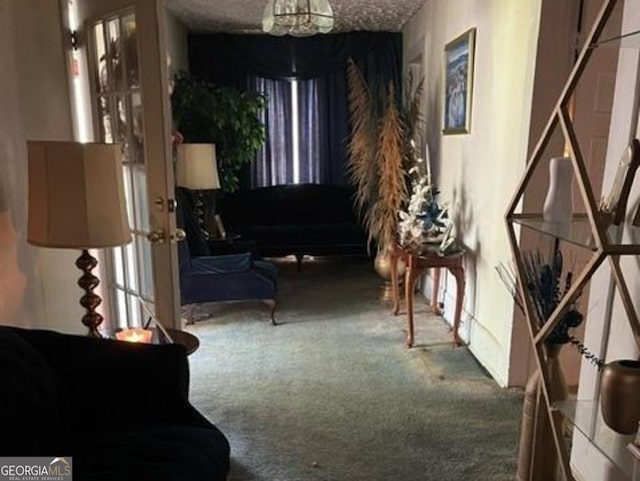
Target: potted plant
(227, 117)
(380, 154)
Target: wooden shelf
(585, 416)
(592, 231)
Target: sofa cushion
(32, 404)
(162, 453)
(300, 204)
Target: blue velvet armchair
(227, 278)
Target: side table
(417, 261)
(184, 338)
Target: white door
(122, 49)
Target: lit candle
(134, 335)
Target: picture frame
(459, 60)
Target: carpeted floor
(333, 394)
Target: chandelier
(300, 18)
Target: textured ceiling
(244, 16)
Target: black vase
(620, 395)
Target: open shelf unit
(592, 231)
(585, 416)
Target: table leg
(434, 294)
(410, 280)
(458, 273)
(393, 259)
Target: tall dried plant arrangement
(392, 187)
(361, 167)
(380, 153)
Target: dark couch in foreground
(120, 410)
(304, 219)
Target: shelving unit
(585, 416)
(592, 232)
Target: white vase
(558, 205)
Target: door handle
(178, 236)
(158, 236)
(160, 203)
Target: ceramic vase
(620, 395)
(558, 204)
(558, 390)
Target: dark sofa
(120, 410)
(303, 219)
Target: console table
(417, 261)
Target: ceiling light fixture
(299, 18)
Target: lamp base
(92, 319)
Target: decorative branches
(380, 153)
(361, 167)
(545, 285)
(392, 190)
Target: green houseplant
(227, 117)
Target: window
(291, 154)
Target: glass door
(130, 106)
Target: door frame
(154, 78)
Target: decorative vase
(620, 395)
(558, 390)
(382, 265)
(558, 203)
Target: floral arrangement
(545, 283)
(424, 221)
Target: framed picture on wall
(458, 83)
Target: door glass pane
(100, 70)
(131, 51)
(141, 201)
(134, 308)
(118, 266)
(146, 275)
(122, 123)
(122, 309)
(128, 192)
(132, 273)
(118, 102)
(104, 117)
(137, 154)
(116, 73)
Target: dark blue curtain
(319, 65)
(334, 119)
(274, 162)
(309, 129)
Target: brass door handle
(178, 236)
(160, 236)
(157, 236)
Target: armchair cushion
(222, 264)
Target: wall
(37, 286)
(478, 173)
(176, 44)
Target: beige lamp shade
(76, 195)
(196, 167)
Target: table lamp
(76, 201)
(196, 170)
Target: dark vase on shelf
(620, 395)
